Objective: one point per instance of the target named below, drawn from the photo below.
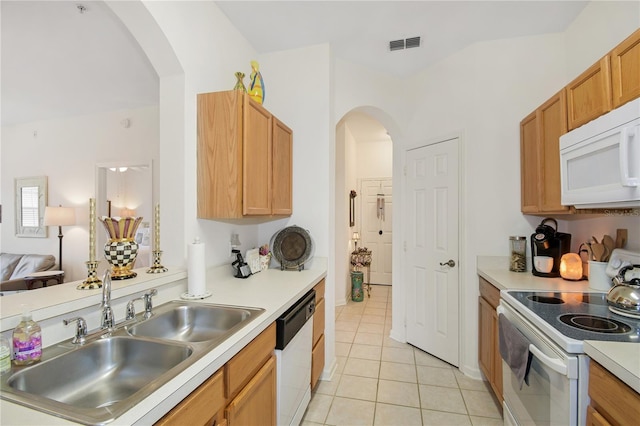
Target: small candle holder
(156, 268)
(92, 282)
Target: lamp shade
(59, 216)
(355, 236)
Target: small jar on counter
(518, 259)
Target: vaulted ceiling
(59, 60)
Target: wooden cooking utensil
(609, 245)
(621, 238)
(599, 251)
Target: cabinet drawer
(242, 367)
(318, 321)
(490, 293)
(319, 288)
(317, 361)
(612, 398)
(200, 406)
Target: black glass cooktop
(579, 316)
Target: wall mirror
(31, 200)
(125, 188)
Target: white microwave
(600, 161)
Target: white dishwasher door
(294, 376)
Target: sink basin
(100, 379)
(190, 322)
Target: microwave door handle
(557, 366)
(627, 135)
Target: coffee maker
(547, 241)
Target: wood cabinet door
(318, 321)
(589, 95)
(282, 198)
(219, 155)
(496, 358)
(552, 123)
(530, 178)
(256, 402)
(317, 361)
(485, 339)
(256, 159)
(625, 70)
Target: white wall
(374, 159)
(481, 94)
(67, 151)
(597, 30)
(346, 162)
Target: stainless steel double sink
(98, 381)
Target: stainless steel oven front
(553, 394)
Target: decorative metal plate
(292, 247)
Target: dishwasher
(294, 335)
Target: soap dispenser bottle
(27, 340)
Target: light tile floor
(379, 381)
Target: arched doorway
(368, 166)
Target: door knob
(451, 263)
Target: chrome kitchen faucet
(107, 312)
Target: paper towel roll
(196, 271)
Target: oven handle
(557, 366)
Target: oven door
(551, 397)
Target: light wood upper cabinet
(530, 176)
(282, 136)
(552, 123)
(257, 159)
(589, 95)
(540, 134)
(625, 70)
(244, 162)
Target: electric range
(569, 318)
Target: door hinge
(404, 245)
(404, 170)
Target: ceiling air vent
(412, 42)
(404, 43)
(396, 45)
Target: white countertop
(495, 269)
(272, 290)
(620, 358)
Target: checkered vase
(121, 249)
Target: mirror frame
(39, 231)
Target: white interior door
(431, 245)
(376, 222)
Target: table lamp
(59, 216)
(355, 237)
